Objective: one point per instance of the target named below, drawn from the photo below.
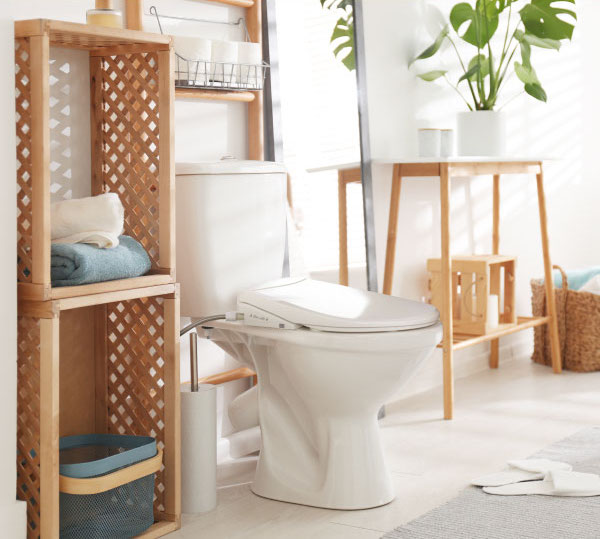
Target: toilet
(327, 356)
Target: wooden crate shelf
(102, 357)
(85, 366)
(90, 37)
(132, 97)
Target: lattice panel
(23, 118)
(130, 142)
(136, 373)
(69, 138)
(28, 421)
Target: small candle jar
(105, 15)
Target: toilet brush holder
(199, 449)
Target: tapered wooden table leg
(343, 228)
(549, 281)
(390, 250)
(495, 344)
(446, 292)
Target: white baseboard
(14, 520)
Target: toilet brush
(198, 436)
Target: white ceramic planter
(481, 133)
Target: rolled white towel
(97, 220)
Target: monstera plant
(521, 25)
(342, 37)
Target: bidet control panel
(254, 316)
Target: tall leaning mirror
(319, 127)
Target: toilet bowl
(321, 383)
(327, 356)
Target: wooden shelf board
(32, 292)
(523, 322)
(158, 529)
(240, 3)
(52, 308)
(214, 95)
(88, 37)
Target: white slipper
(556, 483)
(521, 470)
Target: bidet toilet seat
(301, 302)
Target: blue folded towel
(576, 278)
(74, 264)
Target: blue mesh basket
(107, 485)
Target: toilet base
(347, 471)
(320, 505)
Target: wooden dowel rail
(227, 376)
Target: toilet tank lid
(229, 166)
(331, 307)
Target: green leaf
(526, 74)
(481, 22)
(336, 4)
(541, 19)
(432, 75)
(470, 73)
(343, 40)
(482, 61)
(525, 48)
(542, 43)
(433, 48)
(501, 5)
(343, 32)
(536, 90)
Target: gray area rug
(474, 514)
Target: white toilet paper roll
(250, 58)
(224, 54)
(196, 56)
(199, 449)
(193, 48)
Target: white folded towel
(97, 220)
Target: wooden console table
(445, 170)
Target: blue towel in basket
(73, 264)
(576, 278)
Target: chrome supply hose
(231, 317)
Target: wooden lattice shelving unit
(102, 357)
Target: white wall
(566, 128)
(12, 513)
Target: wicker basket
(578, 316)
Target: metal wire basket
(215, 75)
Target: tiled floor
(508, 413)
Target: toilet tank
(231, 231)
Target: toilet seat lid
(331, 307)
